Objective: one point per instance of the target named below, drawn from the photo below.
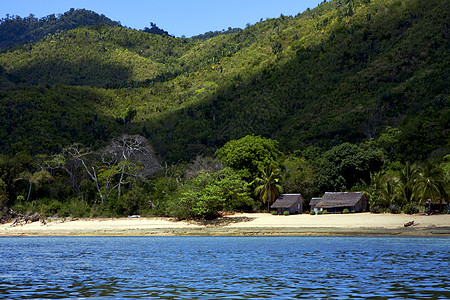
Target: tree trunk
(119, 188)
(29, 191)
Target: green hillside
(341, 72)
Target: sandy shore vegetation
(258, 224)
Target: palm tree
(430, 184)
(267, 184)
(389, 192)
(382, 190)
(373, 187)
(407, 183)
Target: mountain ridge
(15, 30)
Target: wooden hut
(293, 203)
(313, 203)
(337, 202)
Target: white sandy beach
(244, 224)
(361, 220)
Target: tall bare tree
(132, 156)
(126, 157)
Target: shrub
(98, 210)
(133, 201)
(410, 209)
(345, 211)
(179, 208)
(207, 194)
(274, 212)
(32, 207)
(20, 207)
(286, 213)
(394, 209)
(375, 209)
(54, 207)
(325, 212)
(78, 208)
(447, 209)
(421, 208)
(319, 212)
(312, 213)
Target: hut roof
(286, 200)
(314, 201)
(343, 199)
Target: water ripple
(224, 267)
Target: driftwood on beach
(24, 219)
(409, 224)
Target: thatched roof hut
(313, 203)
(338, 201)
(293, 203)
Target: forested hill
(343, 71)
(16, 30)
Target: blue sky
(178, 17)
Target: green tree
(382, 191)
(248, 154)
(445, 166)
(345, 165)
(208, 193)
(389, 192)
(268, 185)
(372, 188)
(3, 198)
(407, 181)
(299, 177)
(163, 192)
(388, 141)
(36, 178)
(11, 171)
(6, 175)
(431, 183)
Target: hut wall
(361, 205)
(293, 209)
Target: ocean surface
(224, 268)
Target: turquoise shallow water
(224, 268)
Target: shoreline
(246, 224)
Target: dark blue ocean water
(224, 267)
